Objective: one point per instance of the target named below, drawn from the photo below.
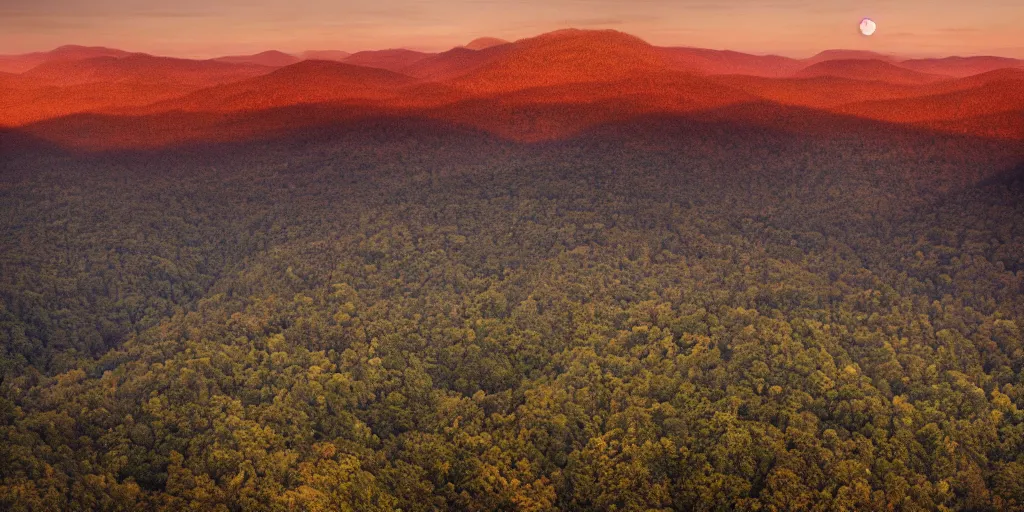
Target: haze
(798, 28)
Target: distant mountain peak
(962, 66)
(336, 55)
(317, 67)
(69, 52)
(867, 69)
(840, 54)
(859, 63)
(566, 56)
(73, 51)
(273, 58)
(272, 53)
(483, 43)
(78, 47)
(392, 59)
(591, 34)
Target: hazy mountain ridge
(25, 62)
(271, 58)
(551, 85)
(868, 70)
(482, 43)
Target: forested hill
(666, 316)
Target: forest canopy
(666, 316)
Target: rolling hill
(391, 60)
(20, 106)
(828, 55)
(562, 57)
(482, 43)
(453, 63)
(273, 104)
(109, 84)
(724, 62)
(1001, 125)
(549, 86)
(559, 111)
(22, 63)
(867, 70)
(270, 58)
(991, 98)
(816, 92)
(335, 55)
(311, 81)
(961, 66)
(142, 68)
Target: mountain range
(548, 86)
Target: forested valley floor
(399, 316)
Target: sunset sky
(204, 28)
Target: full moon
(867, 27)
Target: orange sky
(204, 28)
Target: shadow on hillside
(1012, 179)
(295, 127)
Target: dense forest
(661, 315)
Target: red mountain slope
(311, 81)
(828, 92)
(335, 55)
(1004, 125)
(551, 86)
(719, 62)
(528, 115)
(991, 98)
(963, 84)
(998, 75)
(391, 60)
(109, 84)
(13, 81)
(29, 104)
(562, 110)
(271, 58)
(961, 66)
(816, 92)
(453, 63)
(482, 43)
(141, 68)
(22, 63)
(828, 55)
(867, 70)
(565, 56)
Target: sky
(798, 28)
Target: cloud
(34, 23)
(958, 30)
(9, 13)
(901, 35)
(593, 22)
